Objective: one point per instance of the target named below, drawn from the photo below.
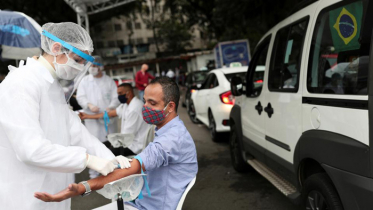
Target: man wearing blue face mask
(170, 161)
(132, 123)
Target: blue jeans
(141, 95)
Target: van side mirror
(236, 86)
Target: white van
(309, 127)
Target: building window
(120, 43)
(150, 40)
(131, 41)
(127, 49)
(137, 25)
(117, 27)
(148, 26)
(139, 40)
(129, 25)
(142, 48)
(112, 44)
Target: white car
(213, 101)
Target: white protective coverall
(101, 92)
(42, 142)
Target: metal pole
(83, 20)
(120, 202)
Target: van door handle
(259, 108)
(269, 110)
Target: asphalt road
(218, 185)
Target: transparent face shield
(72, 72)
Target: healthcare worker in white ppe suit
(98, 93)
(42, 142)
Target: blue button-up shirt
(171, 163)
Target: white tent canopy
(83, 8)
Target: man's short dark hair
(170, 90)
(126, 85)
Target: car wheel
(237, 160)
(187, 104)
(215, 136)
(192, 112)
(319, 193)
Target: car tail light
(226, 97)
(225, 122)
(259, 81)
(192, 91)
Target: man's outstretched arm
(97, 183)
(83, 116)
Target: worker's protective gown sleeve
(19, 119)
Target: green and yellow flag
(345, 26)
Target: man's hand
(83, 115)
(93, 108)
(71, 191)
(95, 184)
(145, 84)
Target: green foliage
(225, 20)
(175, 35)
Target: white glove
(123, 161)
(100, 165)
(93, 108)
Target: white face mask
(69, 70)
(93, 71)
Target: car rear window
(199, 76)
(239, 74)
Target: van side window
(286, 58)
(338, 62)
(255, 74)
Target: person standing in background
(170, 74)
(142, 80)
(96, 93)
(177, 74)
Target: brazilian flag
(345, 25)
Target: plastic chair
(113, 205)
(190, 185)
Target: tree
(175, 35)
(224, 20)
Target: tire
(237, 160)
(319, 193)
(212, 128)
(192, 112)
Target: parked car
(308, 126)
(212, 102)
(194, 79)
